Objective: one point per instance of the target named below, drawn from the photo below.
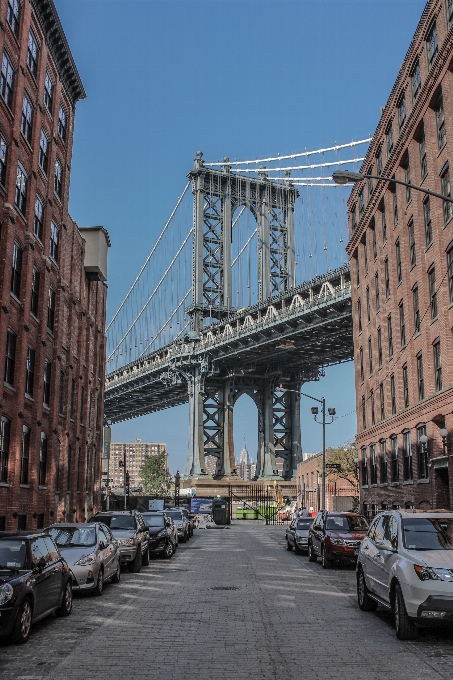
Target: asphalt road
(232, 603)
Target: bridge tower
(217, 194)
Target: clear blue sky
(243, 78)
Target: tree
(344, 456)
(154, 475)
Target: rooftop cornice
(58, 45)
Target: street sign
(107, 440)
(333, 466)
(109, 490)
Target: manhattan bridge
(246, 291)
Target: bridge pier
(195, 459)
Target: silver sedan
(91, 553)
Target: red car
(336, 537)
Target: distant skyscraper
(246, 469)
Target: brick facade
(51, 428)
(339, 493)
(402, 285)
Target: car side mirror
(41, 563)
(385, 545)
(102, 545)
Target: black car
(131, 532)
(161, 535)
(34, 582)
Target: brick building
(401, 250)
(339, 493)
(134, 454)
(52, 315)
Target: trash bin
(220, 511)
(240, 513)
(250, 513)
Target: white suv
(406, 564)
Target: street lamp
(323, 422)
(177, 488)
(444, 434)
(345, 176)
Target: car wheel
(136, 565)
(366, 603)
(168, 552)
(297, 549)
(117, 575)
(311, 553)
(22, 623)
(183, 539)
(289, 546)
(66, 606)
(325, 559)
(405, 628)
(99, 587)
(145, 557)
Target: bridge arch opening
(244, 258)
(245, 435)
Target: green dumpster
(250, 513)
(240, 513)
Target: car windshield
(13, 553)
(304, 524)
(118, 522)
(346, 523)
(174, 514)
(70, 537)
(428, 533)
(154, 520)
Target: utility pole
(322, 422)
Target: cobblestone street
(232, 603)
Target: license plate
(356, 551)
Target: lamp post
(345, 176)
(177, 488)
(323, 422)
(444, 434)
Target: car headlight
(126, 541)
(435, 574)
(337, 541)
(86, 560)
(162, 533)
(6, 593)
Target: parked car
(336, 537)
(35, 581)
(297, 534)
(91, 553)
(131, 532)
(163, 536)
(181, 522)
(190, 521)
(406, 564)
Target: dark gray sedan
(297, 534)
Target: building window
(376, 285)
(10, 359)
(440, 123)
(416, 81)
(416, 306)
(446, 191)
(450, 271)
(379, 345)
(68, 468)
(353, 218)
(362, 377)
(423, 469)
(32, 54)
(30, 372)
(407, 179)
(364, 467)
(420, 382)
(399, 271)
(395, 207)
(382, 401)
(357, 268)
(365, 253)
(363, 413)
(389, 136)
(13, 16)
(432, 292)
(43, 156)
(361, 202)
(394, 454)
(383, 455)
(5, 429)
(432, 44)
(370, 183)
(26, 122)
(58, 179)
(62, 124)
(3, 157)
(368, 306)
(379, 163)
(412, 252)
(359, 314)
(16, 270)
(437, 365)
(373, 232)
(47, 373)
(6, 80)
(373, 418)
(390, 335)
(373, 464)
(393, 394)
(402, 324)
(54, 241)
(38, 218)
(82, 404)
(450, 10)
(405, 386)
(407, 456)
(21, 188)
(51, 310)
(61, 393)
(42, 460)
(401, 112)
(370, 355)
(427, 220)
(387, 278)
(25, 454)
(423, 158)
(34, 303)
(48, 92)
(72, 399)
